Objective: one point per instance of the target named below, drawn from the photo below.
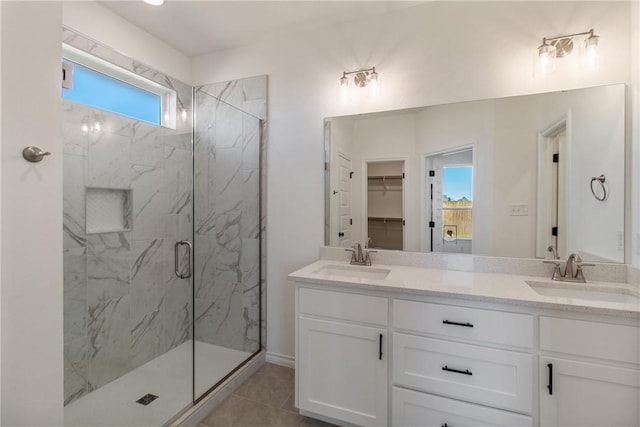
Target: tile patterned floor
(264, 400)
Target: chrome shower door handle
(176, 251)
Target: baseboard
(281, 359)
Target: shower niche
(108, 210)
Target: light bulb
(546, 58)
(97, 126)
(183, 114)
(85, 127)
(374, 83)
(343, 89)
(591, 47)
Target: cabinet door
(342, 371)
(410, 408)
(579, 394)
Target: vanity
(400, 345)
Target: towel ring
(600, 179)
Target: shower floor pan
(167, 376)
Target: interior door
(344, 200)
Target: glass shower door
(226, 239)
(127, 316)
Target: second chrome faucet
(572, 269)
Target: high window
(100, 84)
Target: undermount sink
(584, 292)
(353, 271)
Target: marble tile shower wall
(123, 304)
(227, 217)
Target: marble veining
(227, 214)
(123, 304)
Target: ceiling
(199, 27)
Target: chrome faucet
(358, 256)
(568, 267)
(569, 275)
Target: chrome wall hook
(34, 154)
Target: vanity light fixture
(561, 46)
(361, 78)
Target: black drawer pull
(466, 325)
(550, 385)
(444, 425)
(380, 352)
(457, 371)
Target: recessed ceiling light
(154, 2)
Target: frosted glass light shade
(374, 85)
(344, 90)
(545, 60)
(591, 50)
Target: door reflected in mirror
(501, 177)
(450, 200)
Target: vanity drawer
(489, 326)
(591, 339)
(498, 378)
(410, 408)
(344, 306)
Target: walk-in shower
(162, 248)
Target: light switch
(518, 210)
(621, 240)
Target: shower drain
(146, 399)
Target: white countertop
(490, 287)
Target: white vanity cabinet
(367, 356)
(341, 360)
(458, 377)
(588, 374)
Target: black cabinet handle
(444, 425)
(550, 385)
(380, 353)
(466, 325)
(340, 234)
(457, 371)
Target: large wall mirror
(518, 177)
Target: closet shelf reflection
(383, 219)
(383, 177)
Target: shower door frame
(261, 241)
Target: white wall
(32, 361)
(634, 188)
(0, 218)
(488, 53)
(99, 23)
